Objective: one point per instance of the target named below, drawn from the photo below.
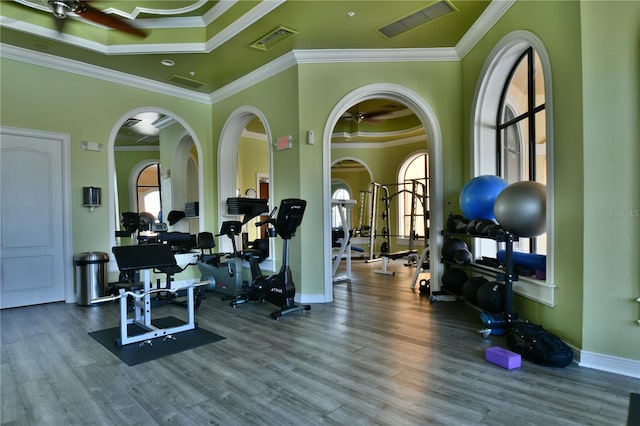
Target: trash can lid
(91, 256)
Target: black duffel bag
(537, 345)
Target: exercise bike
(278, 289)
(224, 270)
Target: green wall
(301, 98)
(595, 107)
(276, 98)
(438, 83)
(322, 86)
(40, 98)
(611, 150)
(557, 24)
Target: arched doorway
(351, 179)
(180, 137)
(244, 166)
(427, 117)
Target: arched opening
(244, 167)
(184, 181)
(147, 190)
(353, 177)
(350, 180)
(130, 149)
(429, 122)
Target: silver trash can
(91, 276)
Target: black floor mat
(135, 353)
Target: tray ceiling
(209, 42)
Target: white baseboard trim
(611, 364)
(311, 298)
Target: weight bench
(147, 257)
(392, 256)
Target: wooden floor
(380, 354)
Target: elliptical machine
(278, 289)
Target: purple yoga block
(502, 357)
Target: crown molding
(92, 71)
(374, 145)
(395, 133)
(218, 10)
(492, 14)
(138, 10)
(483, 24)
(256, 76)
(136, 148)
(330, 56)
(207, 46)
(239, 25)
(320, 56)
(489, 17)
(253, 135)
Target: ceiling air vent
(272, 37)
(184, 81)
(422, 16)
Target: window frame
(487, 97)
(526, 140)
(159, 187)
(335, 215)
(133, 182)
(401, 181)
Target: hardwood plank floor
(380, 354)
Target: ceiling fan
(356, 116)
(61, 9)
(377, 114)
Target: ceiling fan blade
(92, 14)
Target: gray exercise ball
(521, 208)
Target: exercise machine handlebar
(141, 295)
(268, 220)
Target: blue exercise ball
(521, 208)
(479, 194)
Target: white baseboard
(612, 364)
(311, 298)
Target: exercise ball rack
(506, 276)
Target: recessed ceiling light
(167, 62)
(351, 14)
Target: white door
(32, 268)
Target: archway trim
(434, 137)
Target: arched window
(512, 131)
(338, 194)
(521, 131)
(148, 191)
(413, 199)
(511, 152)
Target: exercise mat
(137, 353)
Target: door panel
(32, 268)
